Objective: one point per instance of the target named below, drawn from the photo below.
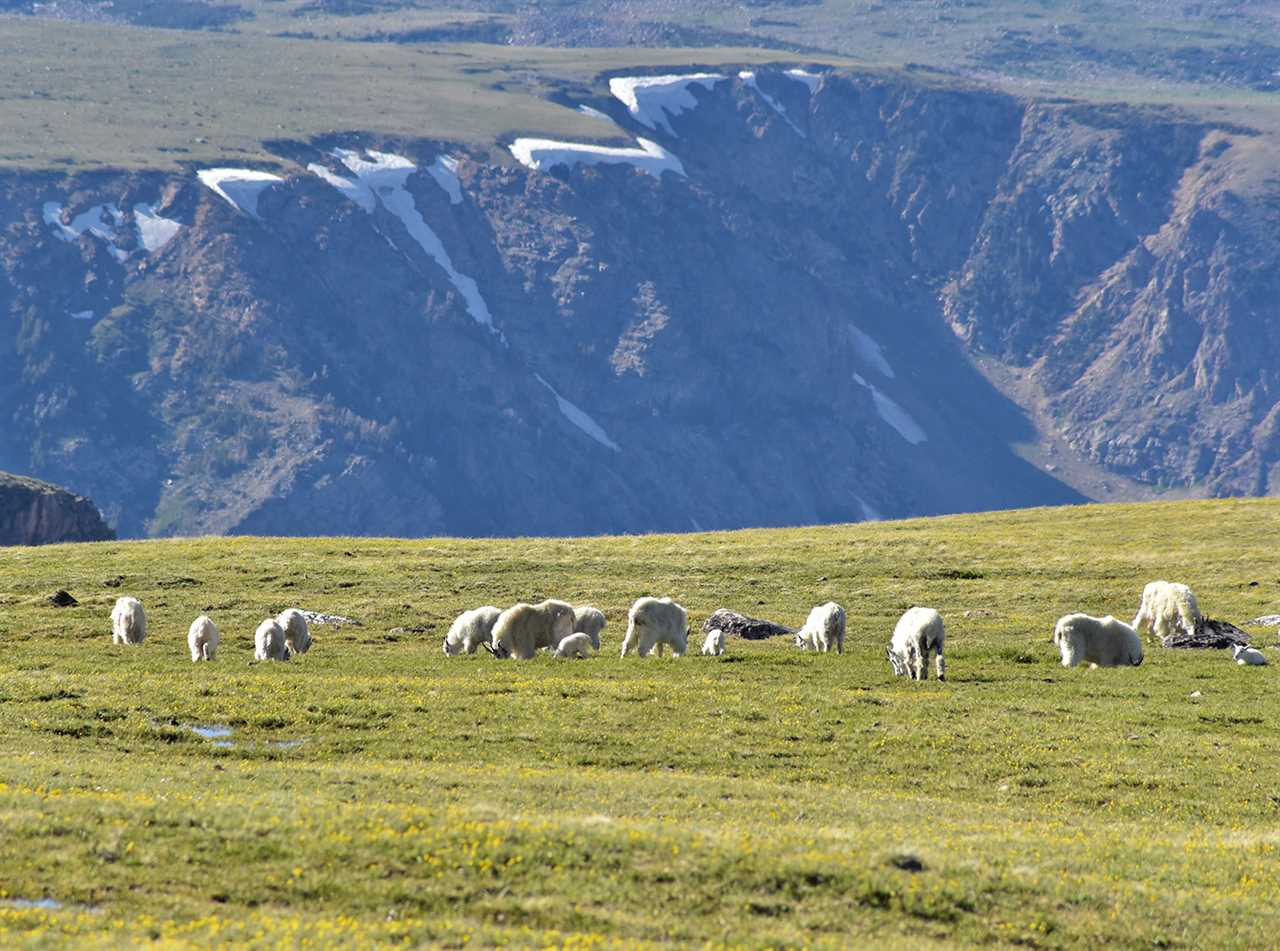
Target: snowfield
(445, 171)
(895, 415)
(544, 154)
(239, 187)
(655, 100)
(804, 76)
(380, 180)
(580, 419)
(154, 231)
(101, 221)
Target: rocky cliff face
(37, 513)
(417, 340)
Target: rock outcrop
(37, 513)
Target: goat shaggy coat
(268, 641)
(523, 629)
(655, 622)
(128, 621)
(575, 645)
(296, 633)
(589, 621)
(1101, 641)
(918, 632)
(823, 631)
(471, 629)
(202, 638)
(713, 646)
(1167, 608)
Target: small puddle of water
(48, 904)
(212, 732)
(286, 744)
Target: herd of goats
(656, 623)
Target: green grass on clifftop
(375, 791)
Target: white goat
(714, 644)
(1248, 656)
(521, 630)
(575, 645)
(269, 641)
(202, 638)
(469, 630)
(590, 621)
(654, 622)
(297, 636)
(128, 621)
(562, 611)
(823, 630)
(918, 631)
(1100, 641)
(1166, 608)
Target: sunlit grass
(766, 798)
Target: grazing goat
(823, 631)
(1166, 608)
(1100, 641)
(297, 636)
(521, 630)
(469, 630)
(655, 622)
(203, 638)
(589, 621)
(128, 621)
(575, 645)
(269, 642)
(918, 631)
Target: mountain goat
(469, 630)
(654, 622)
(297, 636)
(589, 621)
(522, 629)
(918, 631)
(202, 638)
(1167, 607)
(1248, 656)
(269, 641)
(1100, 641)
(128, 621)
(714, 644)
(575, 645)
(823, 630)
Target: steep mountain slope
(424, 338)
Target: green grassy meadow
(375, 791)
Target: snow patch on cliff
(804, 76)
(380, 180)
(655, 100)
(445, 171)
(894, 415)
(239, 187)
(748, 78)
(101, 221)
(580, 419)
(543, 154)
(154, 230)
